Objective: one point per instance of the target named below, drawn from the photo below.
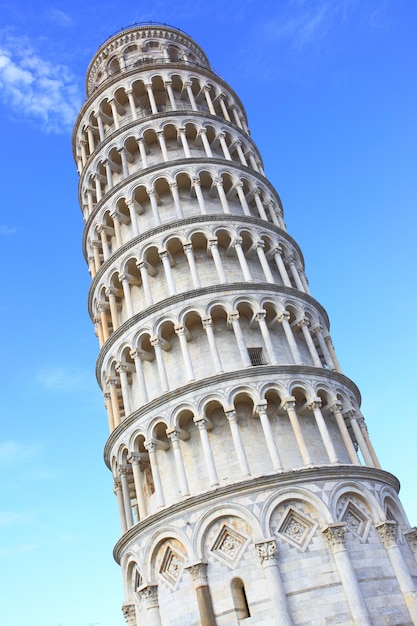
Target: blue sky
(331, 94)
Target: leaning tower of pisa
(247, 487)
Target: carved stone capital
(260, 315)
(336, 407)
(284, 317)
(289, 403)
(267, 551)
(231, 415)
(411, 538)
(198, 572)
(233, 316)
(129, 614)
(207, 321)
(149, 595)
(388, 533)
(315, 403)
(335, 535)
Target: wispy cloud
(6, 231)
(42, 91)
(63, 379)
(59, 17)
(13, 451)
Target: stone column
(177, 200)
(206, 144)
(207, 451)
(284, 320)
(304, 325)
(334, 534)
(237, 244)
(224, 147)
(162, 145)
(143, 268)
(206, 91)
(336, 409)
(233, 318)
(102, 309)
(126, 292)
(174, 437)
(137, 479)
(364, 431)
(180, 331)
(133, 216)
(126, 496)
(260, 317)
(238, 444)
(208, 327)
(222, 195)
(267, 554)
(151, 448)
(99, 330)
(184, 143)
(111, 294)
(191, 95)
(289, 406)
(269, 437)
(330, 347)
(295, 274)
(388, 532)
(168, 86)
(142, 151)
(212, 246)
(152, 100)
(264, 262)
(198, 572)
(223, 108)
(136, 356)
(149, 596)
(104, 243)
(318, 331)
(200, 198)
(154, 206)
(132, 103)
(120, 505)
(188, 250)
(107, 403)
(115, 114)
(281, 267)
(260, 206)
(165, 258)
(314, 406)
(118, 233)
(242, 198)
(112, 382)
(124, 384)
(359, 437)
(160, 363)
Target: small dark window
(240, 600)
(256, 356)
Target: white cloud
(13, 451)
(5, 230)
(42, 91)
(63, 379)
(59, 17)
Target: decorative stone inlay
(171, 567)
(129, 614)
(228, 545)
(356, 521)
(296, 529)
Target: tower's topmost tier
(139, 45)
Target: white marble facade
(247, 486)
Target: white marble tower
(247, 486)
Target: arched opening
(240, 600)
